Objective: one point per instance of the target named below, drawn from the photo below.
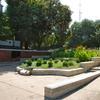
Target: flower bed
(50, 63)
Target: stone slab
(55, 90)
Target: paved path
(17, 87)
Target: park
(45, 54)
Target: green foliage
(34, 21)
(39, 62)
(50, 64)
(72, 63)
(44, 62)
(58, 53)
(56, 61)
(28, 62)
(81, 33)
(69, 63)
(61, 60)
(5, 32)
(70, 53)
(61, 53)
(65, 64)
(82, 54)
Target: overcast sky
(89, 8)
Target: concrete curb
(62, 72)
(55, 90)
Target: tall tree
(96, 37)
(5, 32)
(34, 20)
(82, 33)
(20, 20)
(50, 16)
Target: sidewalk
(88, 92)
(17, 87)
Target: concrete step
(60, 88)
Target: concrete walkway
(16, 87)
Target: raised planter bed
(60, 88)
(84, 66)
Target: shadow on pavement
(6, 67)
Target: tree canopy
(86, 33)
(34, 20)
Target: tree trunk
(26, 45)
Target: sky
(89, 8)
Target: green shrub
(50, 59)
(82, 54)
(70, 53)
(29, 62)
(25, 61)
(44, 62)
(72, 63)
(65, 64)
(58, 53)
(56, 61)
(39, 62)
(50, 64)
(61, 60)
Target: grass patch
(57, 63)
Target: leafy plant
(44, 62)
(29, 62)
(39, 62)
(56, 61)
(50, 64)
(65, 64)
(72, 63)
(82, 54)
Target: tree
(50, 17)
(33, 20)
(96, 37)
(82, 33)
(20, 19)
(5, 32)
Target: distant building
(12, 44)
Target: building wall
(29, 54)
(12, 54)
(5, 55)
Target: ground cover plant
(50, 63)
